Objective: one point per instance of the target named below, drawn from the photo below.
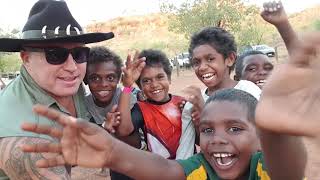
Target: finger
(43, 147)
(279, 5)
(114, 108)
(51, 162)
(136, 55)
(51, 114)
(42, 129)
(129, 60)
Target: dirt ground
(186, 78)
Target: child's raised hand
(112, 120)
(133, 69)
(290, 99)
(274, 13)
(81, 142)
(193, 95)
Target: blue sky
(13, 13)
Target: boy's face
(155, 83)
(227, 138)
(210, 66)
(256, 68)
(102, 80)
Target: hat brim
(15, 45)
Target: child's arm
(275, 14)
(131, 74)
(86, 144)
(289, 108)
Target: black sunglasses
(59, 55)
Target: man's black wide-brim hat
(50, 21)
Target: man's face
(60, 80)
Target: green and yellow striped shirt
(197, 168)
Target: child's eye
(160, 77)
(94, 79)
(146, 81)
(268, 68)
(111, 78)
(207, 130)
(251, 69)
(211, 59)
(195, 63)
(235, 129)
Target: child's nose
(218, 139)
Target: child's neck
(226, 83)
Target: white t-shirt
(188, 136)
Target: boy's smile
(155, 84)
(227, 138)
(209, 65)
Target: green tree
(316, 24)
(232, 15)
(9, 62)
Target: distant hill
(140, 32)
(151, 31)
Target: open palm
(290, 99)
(132, 70)
(81, 143)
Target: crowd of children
(231, 123)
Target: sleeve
(190, 164)
(188, 134)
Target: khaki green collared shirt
(17, 100)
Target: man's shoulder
(15, 107)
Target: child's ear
(231, 59)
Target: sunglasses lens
(80, 54)
(56, 56)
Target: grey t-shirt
(99, 113)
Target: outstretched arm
(288, 108)
(86, 144)
(22, 166)
(275, 14)
(130, 74)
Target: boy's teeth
(208, 76)
(157, 91)
(103, 93)
(222, 155)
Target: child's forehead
(256, 58)
(224, 111)
(103, 65)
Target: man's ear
(25, 57)
(231, 59)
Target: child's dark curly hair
(99, 54)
